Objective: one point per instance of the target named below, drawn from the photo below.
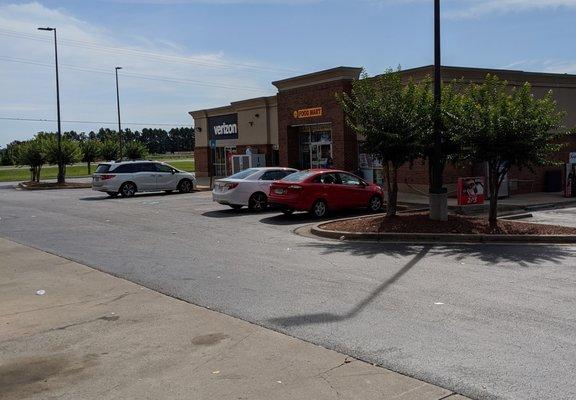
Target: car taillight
(229, 186)
(106, 177)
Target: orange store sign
(308, 113)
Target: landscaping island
(420, 223)
(53, 185)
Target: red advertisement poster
(470, 190)
(229, 155)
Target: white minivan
(128, 177)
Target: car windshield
(243, 174)
(103, 168)
(298, 176)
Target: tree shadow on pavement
(493, 254)
(307, 319)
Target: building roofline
(496, 71)
(235, 105)
(314, 78)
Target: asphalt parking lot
(487, 321)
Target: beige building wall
(257, 122)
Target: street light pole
(61, 173)
(118, 104)
(438, 193)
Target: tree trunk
(392, 186)
(494, 189)
(61, 174)
(89, 173)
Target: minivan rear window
(127, 168)
(298, 176)
(102, 168)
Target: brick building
(303, 126)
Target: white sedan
(248, 188)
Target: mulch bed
(53, 185)
(456, 224)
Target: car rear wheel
(375, 204)
(128, 189)
(258, 202)
(235, 206)
(185, 186)
(287, 211)
(319, 209)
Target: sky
(183, 55)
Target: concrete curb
(436, 237)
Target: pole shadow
(319, 318)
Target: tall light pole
(61, 172)
(118, 104)
(438, 193)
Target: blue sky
(181, 55)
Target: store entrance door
(315, 146)
(320, 155)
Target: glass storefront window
(223, 159)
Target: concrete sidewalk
(95, 336)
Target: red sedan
(319, 191)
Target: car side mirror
(173, 171)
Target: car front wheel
(375, 204)
(185, 186)
(319, 209)
(128, 189)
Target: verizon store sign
(223, 127)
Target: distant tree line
(151, 140)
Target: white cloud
(29, 92)
(556, 66)
(462, 9)
(474, 9)
(215, 2)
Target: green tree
(391, 117)
(109, 150)
(8, 154)
(33, 154)
(507, 127)
(135, 151)
(90, 152)
(68, 154)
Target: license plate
(96, 178)
(279, 191)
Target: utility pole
(61, 170)
(118, 104)
(438, 193)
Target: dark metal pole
(118, 104)
(437, 168)
(438, 197)
(61, 176)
